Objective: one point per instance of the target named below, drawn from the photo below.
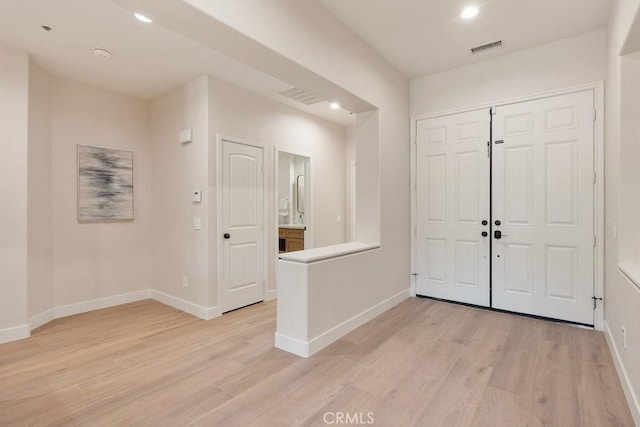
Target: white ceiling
(148, 59)
(417, 36)
(421, 37)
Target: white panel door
(543, 198)
(242, 225)
(453, 201)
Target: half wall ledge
(327, 252)
(325, 293)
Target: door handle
(498, 234)
(227, 236)
(485, 234)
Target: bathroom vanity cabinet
(291, 239)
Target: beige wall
(622, 297)
(239, 113)
(558, 65)
(330, 50)
(48, 259)
(40, 288)
(14, 92)
(210, 106)
(629, 217)
(70, 262)
(177, 170)
(97, 260)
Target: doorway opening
(293, 192)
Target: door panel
(518, 185)
(243, 222)
(437, 188)
(543, 196)
(561, 177)
(453, 200)
(467, 182)
(518, 268)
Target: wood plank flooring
(422, 363)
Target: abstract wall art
(105, 184)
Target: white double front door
(505, 207)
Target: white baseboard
(632, 398)
(41, 319)
(308, 348)
(14, 333)
(205, 313)
(292, 345)
(84, 307)
(24, 331)
(96, 304)
(271, 294)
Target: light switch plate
(196, 196)
(196, 224)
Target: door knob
(485, 222)
(227, 236)
(498, 222)
(485, 234)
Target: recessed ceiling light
(469, 12)
(335, 105)
(142, 18)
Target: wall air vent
(301, 96)
(486, 46)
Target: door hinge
(595, 114)
(595, 241)
(493, 111)
(415, 275)
(415, 185)
(488, 149)
(595, 177)
(595, 301)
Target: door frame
(598, 91)
(308, 184)
(220, 138)
(308, 200)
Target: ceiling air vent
(486, 46)
(301, 96)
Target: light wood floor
(422, 363)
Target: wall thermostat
(197, 196)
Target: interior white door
(242, 225)
(453, 176)
(543, 198)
